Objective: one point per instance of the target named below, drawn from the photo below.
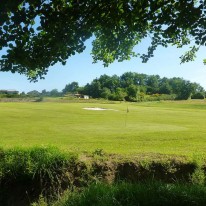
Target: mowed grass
(154, 127)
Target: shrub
(159, 97)
(198, 95)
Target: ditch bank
(25, 174)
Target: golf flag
(127, 109)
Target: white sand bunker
(98, 109)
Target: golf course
(167, 127)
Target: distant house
(86, 97)
(4, 91)
(81, 96)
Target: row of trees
(130, 86)
(133, 86)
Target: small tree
(106, 93)
(71, 88)
(33, 93)
(55, 93)
(120, 94)
(132, 93)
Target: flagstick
(126, 116)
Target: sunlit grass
(153, 127)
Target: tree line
(131, 86)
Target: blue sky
(165, 63)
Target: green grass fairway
(153, 127)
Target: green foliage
(198, 177)
(134, 87)
(40, 99)
(33, 93)
(132, 92)
(119, 94)
(159, 97)
(118, 26)
(94, 89)
(43, 174)
(98, 152)
(71, 88)
(185, 90)
(148, 193)
(198, 95)
(9, 96)
(55, 93)
(189, 55)
(165, 86)
(153, 84)
(141, 96)
(40, 202)
(106, 93)
(42, 162)
(33, 171)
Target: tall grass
(27, 173)
(37, 161)
(141, 194)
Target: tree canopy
(133, 86)
(36, 34)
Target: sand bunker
(98, 109)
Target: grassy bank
(27, 174)
(154, 127)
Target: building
(86, 96)
(81, 96)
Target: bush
(40, 99)
(198, 95)
(159, 97)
